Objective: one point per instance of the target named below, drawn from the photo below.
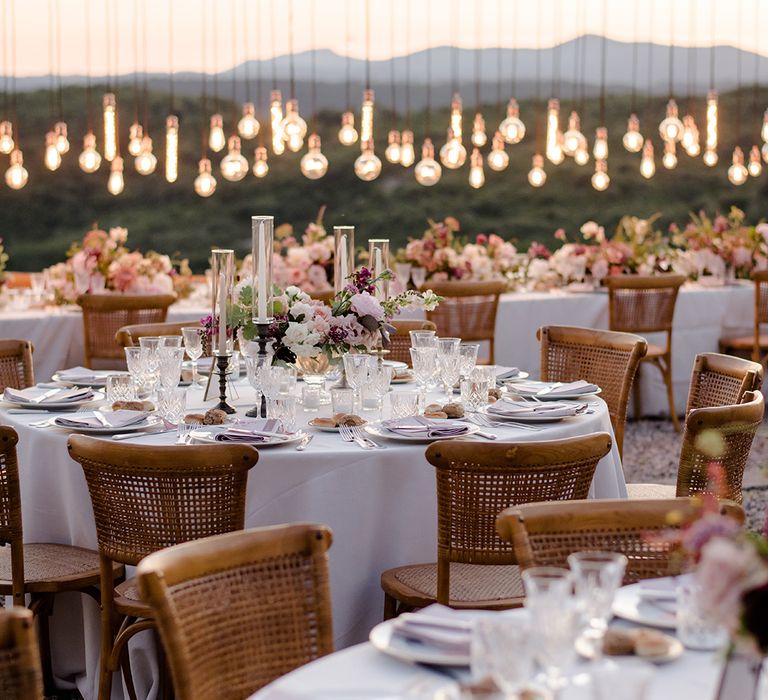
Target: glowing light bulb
(234, 166)
(581, 157)
(647, 162)
(89, 160)
(367, 165)
(6, 137)
(216, 138)
(710, 158)
(476, 172)
(456, 118)
(347, 132)
(314, 164)
(690, 138)
(600, 179)
(366, 116)
(276, 120)
(116, 182)
(479, 136)
(135, 134)
(764, 130)
(16, 176)
(554, 150)
(171, 148)
(737, 173)
(293, 127)
(205, 182)
(755, 166)
(260, 164)
(573, 139)
(110, 126)
(671, 128)
(248, 126)
(537, 175)
(146, 161)
(407, 152)
(498, 158)
(52, 157)
(62, 142)
(512, 128)
(633, 139)
(453, 154)
(764, 151)
(600, 147)
(710, 154)
(393, 151)
(428, 171)
(669, 159)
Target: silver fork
(357, 431)
(348, 436)
(482, 420)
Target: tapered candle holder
(260, 410)
(222, 364)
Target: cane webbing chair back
(720, 437)
(722, 380)
(20, 670)
(468, 310)
(105, 314)
(16, 368)
(476, 482)
(608, 359)
(544, 534)
(10, 509)
(326, 296)
(237, 611)
(128, 336)
(400, 340)
(642, 303)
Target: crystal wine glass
(448, 363)
(418, 277)
(193, 344)
(424, 361)
(468, 353)
(423, 339)
(169, 366)
(356, 366)
(500, 652)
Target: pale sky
(692, 21)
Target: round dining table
(380, 504)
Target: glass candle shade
(344, 256)
(378, 261)
(223, 282)
(262, 237)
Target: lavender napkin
(438, 627)
(83, 375)
(526, 409)
(576, 388)
(258, 431)
(511, 373)
(418, 426)
(33, 395)
(114, 419)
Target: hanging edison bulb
(367, 165)
(216, 138)
(737, 173)
(260, 164)
(314, 164)
(205, 182)
(647, 162)
(146, 161)
(62, 141)
(248, 126)
(234, 166)
(764, 151)
(669, 159)
(276, 120)
(110, 126)
(171, 148)
(600, 179)
(6, 137)
(600, 147)
(16, 176)
(347, 132)
(293, 127)
(116, 182)
(537, 176)
(573, 139)
(498, 158)
(581, 157)
(135, 134)
(453, 154)
(393, 151)
(476, 172)
(755, 166)
(479, 136)
(52, 157)
(633, 139)
(710, 152)
(428, 171)
(407, 152)
(89, 159)
(690, 138)
(512, 128)
(764, 130)
(366, 116)
(554, 150)
(671, 128)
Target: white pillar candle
(343, 258)
(222, 314)
(262, 292)
(378, 268)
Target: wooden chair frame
(20, 669)
(128, 336)
(16, 366)
(720, 380)
(759, 349)
(400, 340)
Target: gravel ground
(652, 449)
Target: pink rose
(363, 304)
(560, 234)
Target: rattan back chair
(128, 336)
(608, 359)
(326, 297)
(544, 534)
(646, 304)
(21, 676)
(16, 366)
(105, 314)
(237, 611)
(721, 380)
(400, 340)
(146, 498)
(474, 484)
(468, 311)
(755, 345)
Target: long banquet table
(380, 504)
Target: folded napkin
(114, 419)
(82, 375)
(263, 430)
(34, 395)
(418, 426)
(436, 626)
(511, 373)
(524, 409)
(662, 588)
(576, 388)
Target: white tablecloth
(381, 506)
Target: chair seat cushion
(471, 584)
(651, 491)
(745, 342)
(128, 601)
(654, 351)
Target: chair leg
(666, 372)
(42, 607)
(637, 397)
(390, 607)
(107, 629)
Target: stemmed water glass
(193, 344)
(418, 276)
(169, 366)
(356, 366)
(379, 379)
(423, 339)
(448, 363)
(468, 353)
(149, 346)
(424, 361)
(135, 358)
(500, 652)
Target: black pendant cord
(539, 134)
(313, 64)
(454, 47)
(671, 51)
(259, 60)
(246, 52)
(135, 41)
(478, 55)
(171, 76)
(88, 88)
(273, 39)
(393, 86)
(14, 114)
(144, 69)
(215, 51)
(291, 62)
(51, 70)
(713, 34)
(603, 50)
(692, 65)
(116, 74)
(583, 58)
(367, 44)
(348, 59)
(649, 88)
(635, 51)
(108, 42)
(4, 56)
(235, 111)
(739, 79)
(408, 66)
(204, 88)
(756, 78)
(428, 111)
(515, 36)
(554, 89)
(499, 59)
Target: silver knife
(305, 443)
(129, 436)
(45, 396)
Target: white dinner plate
(517, 378)
(630, 605)
(395, 364)
(522, 419)
(325, 428)
(378, 430)
(383, 639)
(675, 649)
(549, 397)
(209, 438)
(53, 405)
(404, 379)
(149, 422)
(99, 379)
